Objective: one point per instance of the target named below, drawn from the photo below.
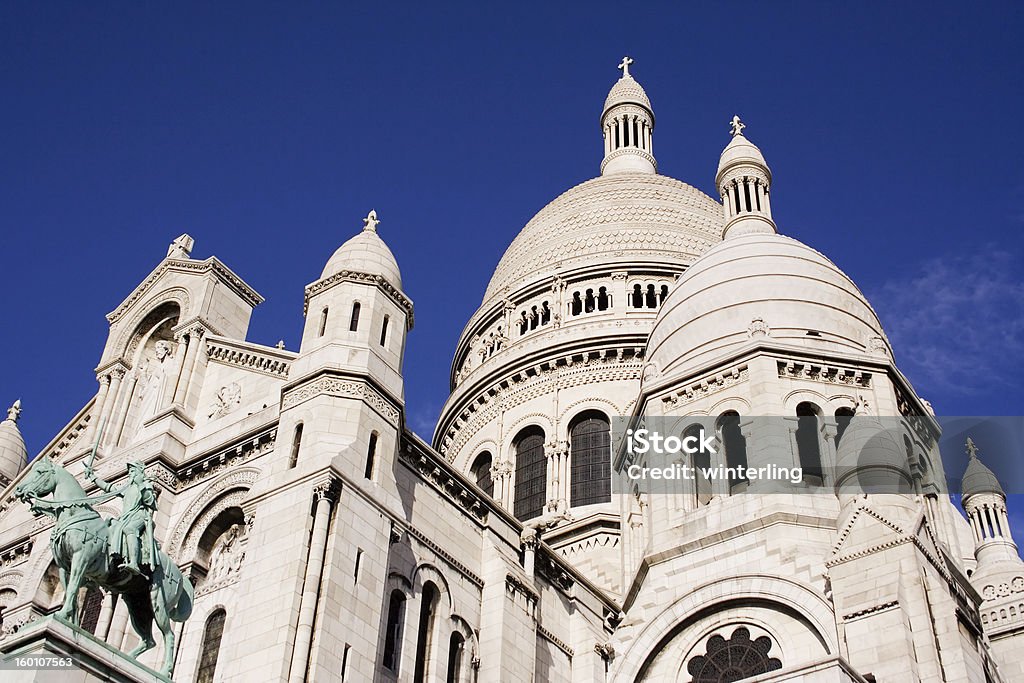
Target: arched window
(425, 635)
(545, 313)
(91, 608)
(353, 323)
(296, 445)
(591, 459)
(843, 417)
(323, 322)
(701, 461)
(371, 456)
(731, 660)
(482, 472)
(663, 294)
(637, 297)
(735, 445)
(576, 305)
(393, 631)
(211, 646)
(384, 331)
(456, 650)
(531, 473)
(807, 445)
(652, 298)
(603, 300)
(589, 303)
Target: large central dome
(620, 218)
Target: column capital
(328, 490)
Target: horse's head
(41, 480)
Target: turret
(743, 181)
(13, 454)
(627, 123)
(984, 502)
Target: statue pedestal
(40, 652)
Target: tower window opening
(757, 195)
(635, 132)
(384, 331)
(481, 471)
(296, 445)
(736, 194)
(456, 648)
(524, 324)
(545, 313)
(637, 298)
(652, 300)
(588, 302)
(663, 294)
(603, 300)
(371, 457)
(807, 444)
(323, 322)
(534, 318)
(746, 195)
(393, 631)
(615, 125)
(576, 305)
(425, 637)
(735, 445)
(353, 323)
(843, 417)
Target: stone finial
(624, 66)
(972, 450)
(737, 126)
(370, 222)
(14, 412)
(758, 328)
(181, 247)
(861, 407)
(280, 344)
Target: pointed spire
(627, 124)
(14, 412)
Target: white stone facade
(328, 542)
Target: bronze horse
(79, 542)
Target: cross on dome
(370, 222)
(737, 126)
(972, 450)
(624, 65)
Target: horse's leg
(163, 622)
(72, 582)
(142, 621)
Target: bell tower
(627, 123)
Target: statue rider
(131, 534)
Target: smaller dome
(365, 253)
(871, 459)
(626, 91)
(740, 151)
(979, 479)
(760, 285)
(13, 454)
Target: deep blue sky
(268, 130)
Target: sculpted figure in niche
(228, 554)
(153, 377)
(228, 398)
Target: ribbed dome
(626, 91)
(740, 151)
(777, 281)
(365, 253)
(979, 479)
(13, 454)
(624, 217)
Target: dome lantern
(743, 181)
(627, 123)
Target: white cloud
(955, 321)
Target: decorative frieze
(442, 480)
(707, 385)
(342, 387)
(263, 361)
(395, 294)
(829, 374)
(16, 552)
(227, 456)
(554, 640)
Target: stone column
(178, 392)
(620, 121)
(116, 375)
(98, 405)
(106, 615)
(324, 494)
(188, 365)
(767, 203)
(123, 409)
(118, 624)
(529, 539)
